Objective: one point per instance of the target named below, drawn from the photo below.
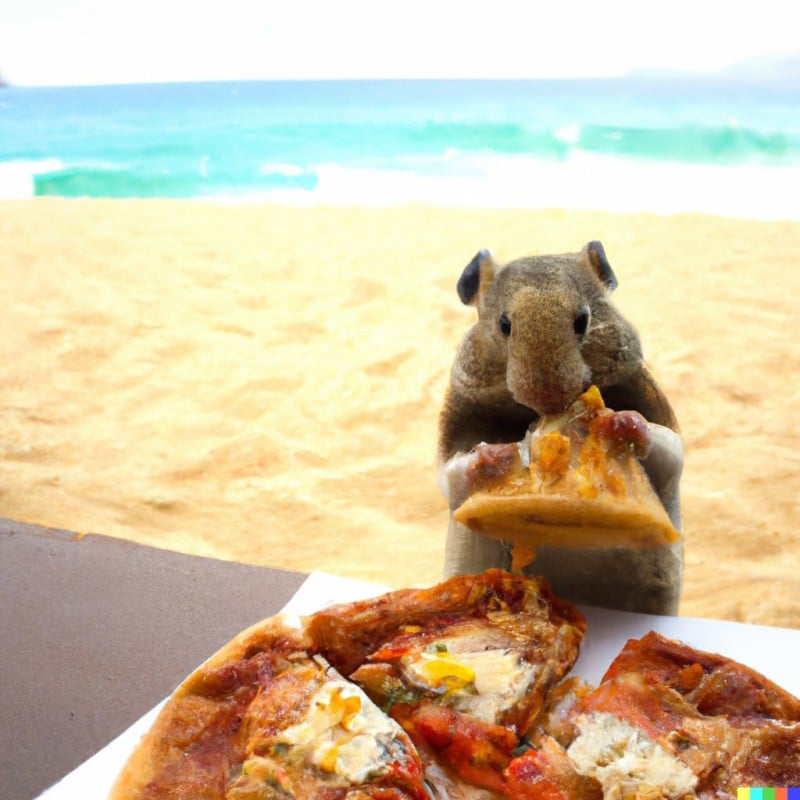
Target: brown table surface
(96, 631)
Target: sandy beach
(262, 383)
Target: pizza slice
(669, 721)
(268, 718)
(575, 481)
(489, 645)
(465, 667)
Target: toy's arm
(664, 465)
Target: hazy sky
(49, 42)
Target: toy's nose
(549, 394)
(552, 401)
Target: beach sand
(262, 383)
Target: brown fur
(501, 382)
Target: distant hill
(782, 68)
(773, 68)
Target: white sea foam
(281, 168)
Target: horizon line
(724, 76)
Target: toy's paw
(485, 463)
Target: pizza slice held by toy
(575, 481)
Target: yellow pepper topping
(344, 708)
(554, 455)
(442, 670)
(328, 761)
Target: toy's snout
(546, 371)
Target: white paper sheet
(774, 652)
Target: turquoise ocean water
(622, 144)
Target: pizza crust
(559, 521)
(149, 754)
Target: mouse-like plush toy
(547, 330)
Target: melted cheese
(344, 734)
(482, 683)
(626, 762)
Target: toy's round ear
(476, 278)
(595, 257)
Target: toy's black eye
(581, 322)
(505, 324)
